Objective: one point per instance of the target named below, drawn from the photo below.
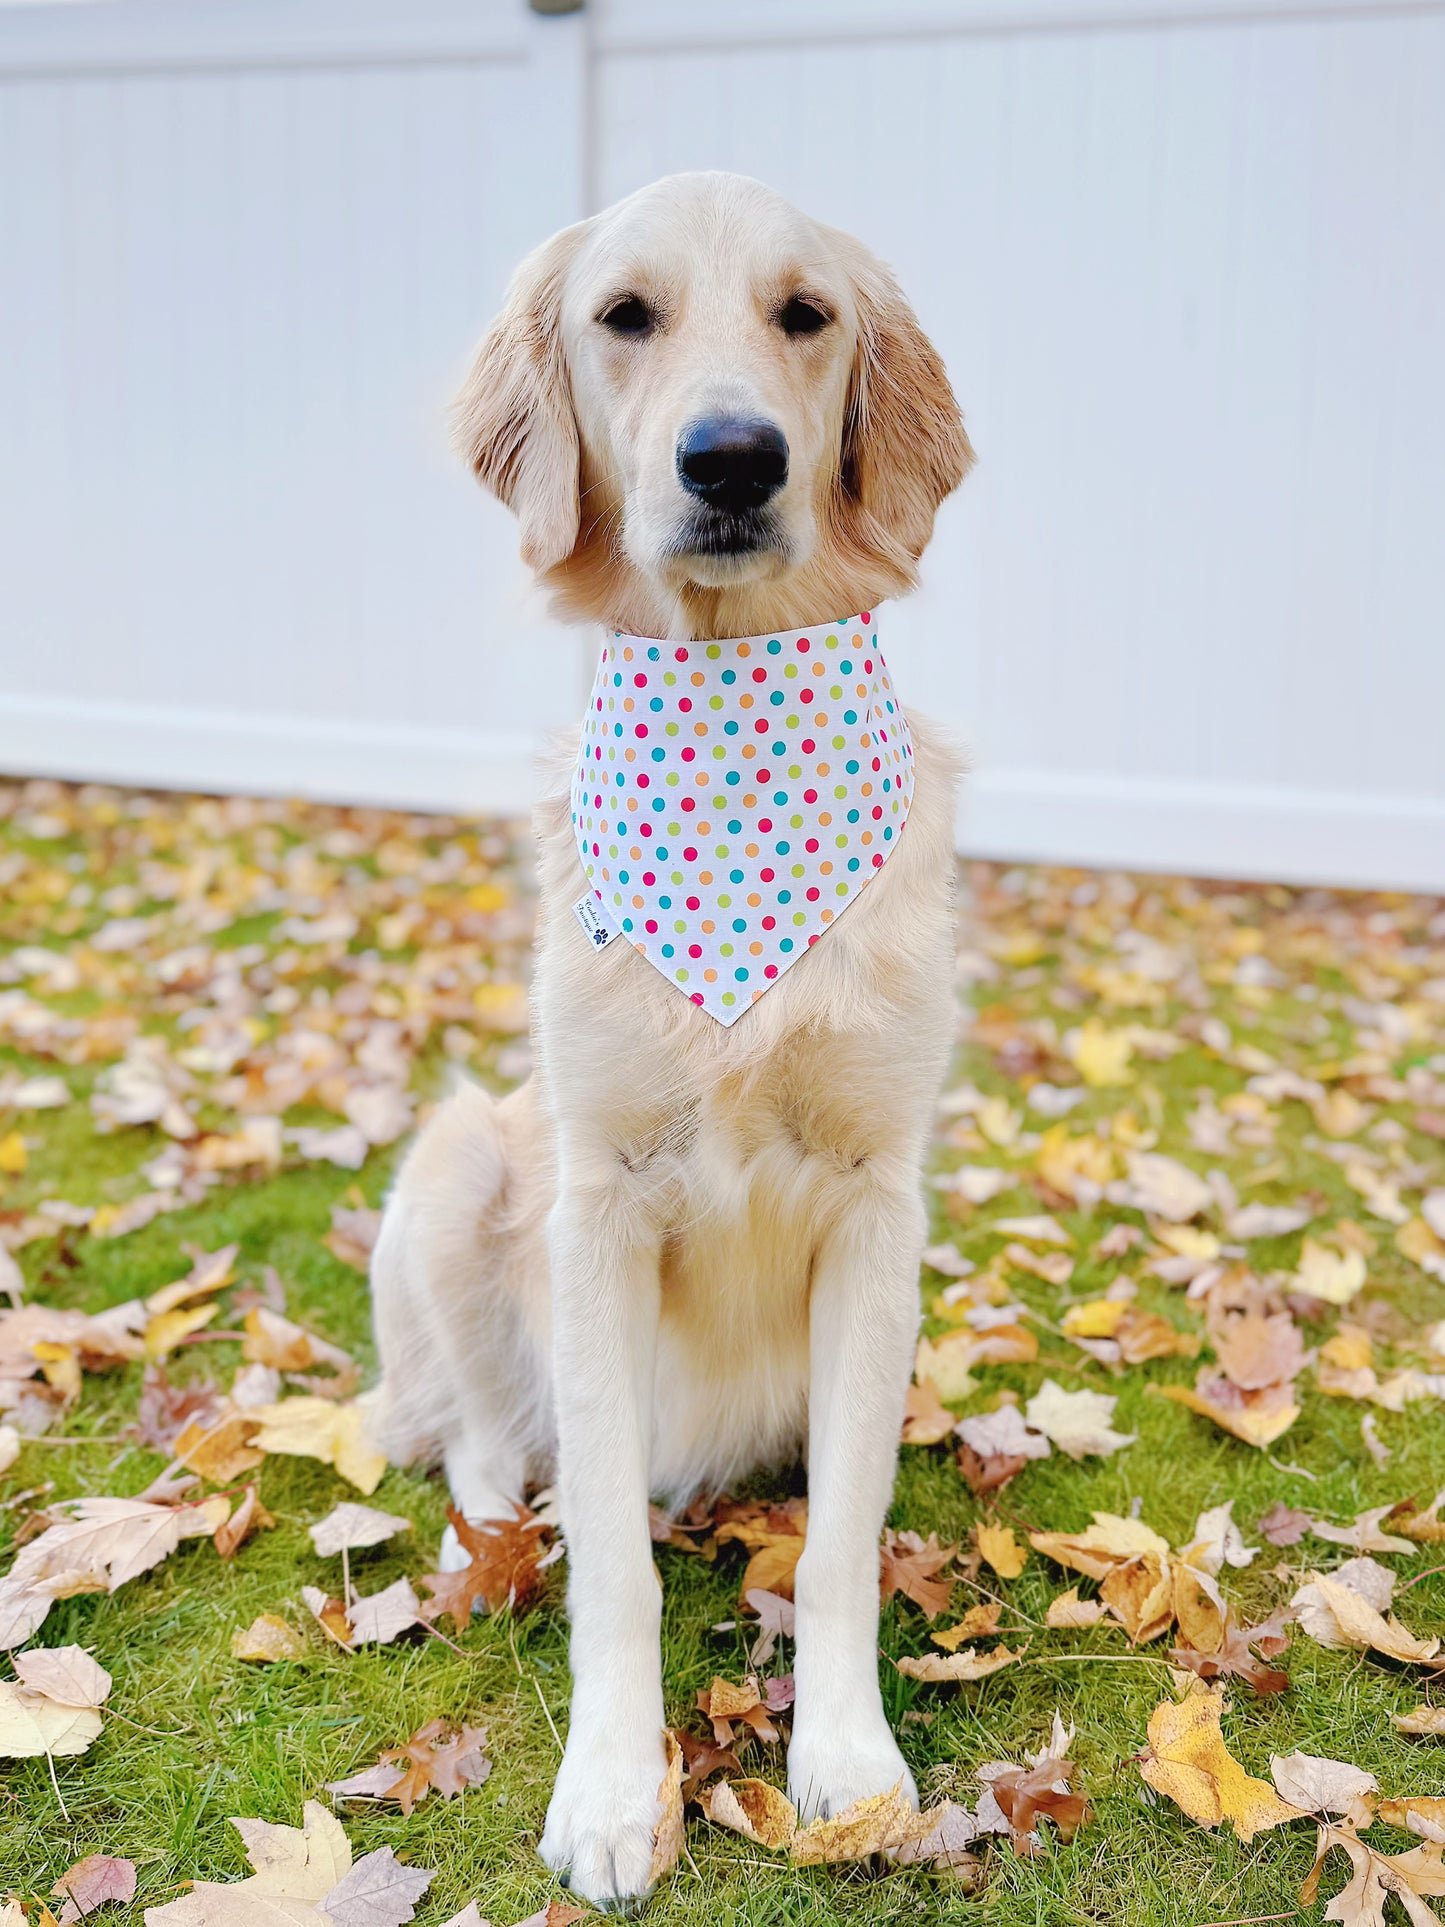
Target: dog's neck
(597, 584)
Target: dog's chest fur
(739, 1144)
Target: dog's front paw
(602, 1822)
(831, 1766)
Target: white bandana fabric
(731, 799)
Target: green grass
(194, 1736)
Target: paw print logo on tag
(595, 928)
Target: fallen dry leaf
(437, 1758)
(1421, 1814)
(913, 1566)
(701, 1758)
(55, 1706)
(1334, 1276)
(1189, 1763)
(1424, 1719)
(1324, 1786)
(1067, 1611)
(222, 1454)
(250, 1516)
(349, 1527)
(667, 1841)
(1259, 1417)
(1162, 1187)
(94, 1882)
(1024, 1795)
(1335, 1613)
(1109, 1542)
(754, 1809)
(998, 1548)
(724, 1703)
(1409, 1876)
(880, 1824)
(303, 1877)
(266, 1640)
(976, 1622)
(926, 1419)
(353, 1235)
(954, 1668)
(1079, 1423)
(774, 1537)
(315, 1428)
(1239, 1652)
(369, 1619)
(1364, 1535)
(504, 1568)
(1284, 1525)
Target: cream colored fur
(680, 1252)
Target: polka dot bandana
(732, 798)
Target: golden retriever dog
(687, 1249)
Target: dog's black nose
(732, 464)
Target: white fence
(1186, 259)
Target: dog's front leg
(605, 1294)
(863, 1322)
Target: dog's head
(703, 400)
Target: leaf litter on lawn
(1164, 1148)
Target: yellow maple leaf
(1189, 1763)
(13, 1154)
(874, 1825)
(754, 1809)
(1095, 1318)
(1335, 1276)
(166, 1330)
(318, 1428)
(999, 1549)
(1100, 1055)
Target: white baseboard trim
(1255, 833)
(491, 772)
(1274, 835)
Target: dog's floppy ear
(904, 446)
(513, 418)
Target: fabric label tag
(594, 925)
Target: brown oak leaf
(504, 1568)
(437, 1758)
(913, 1566)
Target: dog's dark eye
(802, 317)
(629, 316)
